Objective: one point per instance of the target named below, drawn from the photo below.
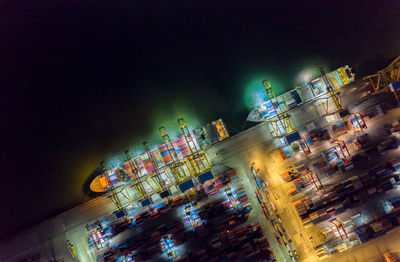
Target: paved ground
(239, 152)
(257, 145)
(372, 251)
(253, 145)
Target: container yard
(210, 222)
(347, 169)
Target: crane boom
(113, 195)
(136, 184)
(334, 95)
(156, 173)
(198, 159)
(180, 173)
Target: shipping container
(319, 86)
(183, 147)
(166, 156)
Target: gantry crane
(136, 182)
(360, 124)
(113, 193)
(313, 175)
(154, 181)
(231, 197)
(386, 76)
(342, 148)
(392, 72)
(304, 146)
(157, 183)
(335, 96)
(132, 165)
(177, 167)
(282, 120)
(339, 226)
(197, 158)
(283, 123)
(123, 189)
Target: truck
(390, 143)
(396, 126)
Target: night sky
(81, 81)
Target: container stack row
(246, 242)
(378, 227)
(179, 220)
(341, 196)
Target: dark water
(81, 82)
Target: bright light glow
(191, 218)
(305, 76)
(254, 93)
(168, 246)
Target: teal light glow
(306, 75)
(254, 92)
(308, 71)
(114, 161)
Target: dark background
(80, 81)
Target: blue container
(293, 137)
(205, 177)
(259, 184)
(396, 85)
(186, 185)
(296, 96)
(146, 202)
(387, 186)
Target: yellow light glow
(99, 184)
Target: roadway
(239, 152)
